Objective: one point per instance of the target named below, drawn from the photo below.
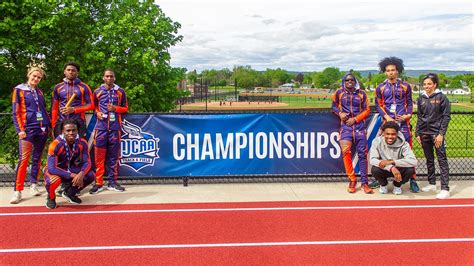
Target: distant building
(457, 91)
(197, 90)
(287, 86)
(182, 85)
(460, 92)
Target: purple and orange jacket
(82, 101)
(399, 94)
(25, 108)
(116, 97)
(58, 163)
(355, 104)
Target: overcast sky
(312, 35)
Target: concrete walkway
(231, 192)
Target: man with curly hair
(394, 103)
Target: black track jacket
(433, 114)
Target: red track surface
(248, 226)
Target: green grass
(459, 138)
(306, 102)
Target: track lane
(238, 226)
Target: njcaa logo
(138, 149)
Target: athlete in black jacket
(433, 119)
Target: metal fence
(460, 149)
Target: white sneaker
(383, 190)
(397, 190)
(428, 188)
(34, 191)
(16, 197)
(443, 194)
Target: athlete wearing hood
(391, 156)
(433, 119)
(351, 105)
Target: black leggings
(427, 142)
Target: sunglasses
(347, 80)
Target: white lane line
(241, 209)
(226, 245)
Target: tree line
(329, 78)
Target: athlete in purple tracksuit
(351, 104)
(68, 163)
(63, 92)
(110, 103)
(32, 124)
(394, 102)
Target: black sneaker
(50, 203)
(116, 187)
(374, 184)
(72, 198)
(414, 186)
(96, 189)
(60, 192)
(63, 188)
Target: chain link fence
(460, 150)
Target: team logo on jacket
(138, 149)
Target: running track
(264, 233)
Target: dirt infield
(233, 105)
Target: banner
(231, 144)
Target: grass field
(459, 138)
(460, 103)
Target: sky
(303, 35)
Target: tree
(308, 79)
(131, 37)
(299, 78)
(455, 82)
(328, 79)
(442, 80)
(277, 76)
(209, 76)
(223, 76)
(245, 76)
(377, 79)
(192, 76)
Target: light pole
(200, 87)
(206, 95)
(235, 86)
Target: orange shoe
(366, 189)
(352, 187)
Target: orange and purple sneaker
(352, 187)
(366, 189)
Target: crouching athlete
(68, 163)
